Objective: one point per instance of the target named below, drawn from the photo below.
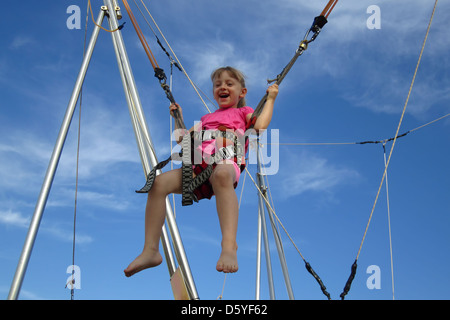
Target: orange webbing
(329, 7)
(150, 55)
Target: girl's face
(227, 90)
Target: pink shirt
(232, 118)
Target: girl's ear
(243, 93)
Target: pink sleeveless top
(233, 119)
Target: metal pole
(143, 147)
(258, 260)
(53, 164)
(281, 256)
(276, 234)
(261, 211)
(262, 218)
(178, 245)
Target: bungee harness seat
(197, 166)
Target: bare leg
(155, 214)
(222, 181)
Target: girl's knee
(166, 183)
(157, 186)
(223, 176)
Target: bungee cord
(359, 142)
(355, 263)
(317, 25)
(383, 142)
(389, 224)
(195, 87)
(71, 282)
(159, 73)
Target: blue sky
(349, 86)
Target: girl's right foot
(147, 259)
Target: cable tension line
(353, 269)
(317, 25)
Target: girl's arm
(178, 132)
(265, 117)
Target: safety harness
(198, 167)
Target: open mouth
(224, 95)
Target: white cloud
(105, 141)
(109, 201)
(14, 219)
(218, 53)
(66, 235)
(313, 173)
(20, 41)
(373, 68)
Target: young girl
(229, 91)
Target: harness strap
(190, 183)
(151, 176)
(186, 171)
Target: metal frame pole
(143, 147)
(258, 260)
(53, 164)
(262, 228)
(136, 108)
(276, 234)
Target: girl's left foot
(228, 260)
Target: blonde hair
(235, 73)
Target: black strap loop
(319, 281)
(348, 284)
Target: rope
(159, 73)
(389, 224)
(427, 124)
(307, 265)
(93, 20)
(72, 282)
(353, 143)
(174, 55)
(317, 25)
(399, 125)
(348, 284)
(279, 223)
(223, 288)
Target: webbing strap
(200, 179)
(190, 183)
(152, 175)
(186, 171)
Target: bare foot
(147, 259)
(228, 260)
